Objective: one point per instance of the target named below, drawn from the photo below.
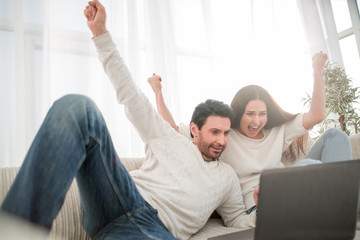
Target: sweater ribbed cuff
(103, 42)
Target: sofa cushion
(67, 224)
(355, 145)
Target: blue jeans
(332, 146)
(73, 141)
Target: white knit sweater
(249, 157)
(174, 178)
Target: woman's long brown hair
(276, 115)
(296, 147)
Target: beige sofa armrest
(355, 145)
(67, 224)
(7, 176)
(132, 163)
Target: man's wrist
(99, 32)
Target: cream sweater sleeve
(137, 107)
(233, 210)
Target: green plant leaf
(341, 98)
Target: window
(34, 11)
(351, 58)
(341, 14)
(202, 48)
(7, 96)
(346, 15)
(7, 9)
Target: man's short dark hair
(210, 107)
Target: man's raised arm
(138, 109)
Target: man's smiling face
(213, 136)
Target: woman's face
(253, 119)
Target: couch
(67, 223)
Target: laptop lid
(309, 202)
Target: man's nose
(221, 140)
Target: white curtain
(202, 49)
(320, 28)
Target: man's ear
(194, 129)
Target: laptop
(306, 202)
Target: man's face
(213, 136)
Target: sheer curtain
(202, 49)
(320, 28)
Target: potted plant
(341, 100)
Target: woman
(267, 131)
(263, 131)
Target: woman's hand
(316, 114)
(155, 83)
(256, 195)
(319, 59)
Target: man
(172, 195)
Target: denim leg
(111, 205)
(74, 141)
(140, 224)
(56, 154)
(333, 145)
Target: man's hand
(155, 83)
(96, 18)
